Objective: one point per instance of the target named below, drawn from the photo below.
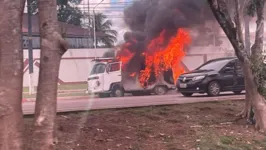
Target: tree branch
(220, 11)
(258, 44)
(238, 21)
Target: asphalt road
(124, 102)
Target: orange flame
(124, 55)
(159, 58)
(164, 58)
(133, 74)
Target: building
(76, 36)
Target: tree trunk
(53, 47)
(255, 100)
(258, 101)
(11, 75)
(246, 113)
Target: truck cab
(105, 78)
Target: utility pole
(30, 52)
(94, 29)
(89, 25)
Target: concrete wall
(76, 63)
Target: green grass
(65, 87)
(212, 141)
(261, 143)
(226, 140)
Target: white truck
(107, 79)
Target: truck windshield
(98, 68)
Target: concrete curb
(90, 97)
(74, 97)
(75, 105)
(59, 98)
(72, 91)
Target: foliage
(103, 27)
(67, 11)
(65, 2)
(250, 8)
(259, 71)
(70, 14)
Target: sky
(113, 9)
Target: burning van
(108, 78)
(140, 68)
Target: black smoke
(148, 18)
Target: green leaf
(68, 11)
(103, 27)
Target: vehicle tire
(117, 91)
(237, 92)
(214, 88)
(104, 95)
(187, 94)
(160, 90)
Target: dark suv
(213, 77)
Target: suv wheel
(214, 88)
(237, 92)
(117, 91)
(187, 94)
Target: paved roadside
(126, 102)
(86, 96)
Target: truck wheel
(160, 90)
(117, 91)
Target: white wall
(76, 63)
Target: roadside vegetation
(205, 126)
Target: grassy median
(204, 126)
(79, 86)
(66, 90)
